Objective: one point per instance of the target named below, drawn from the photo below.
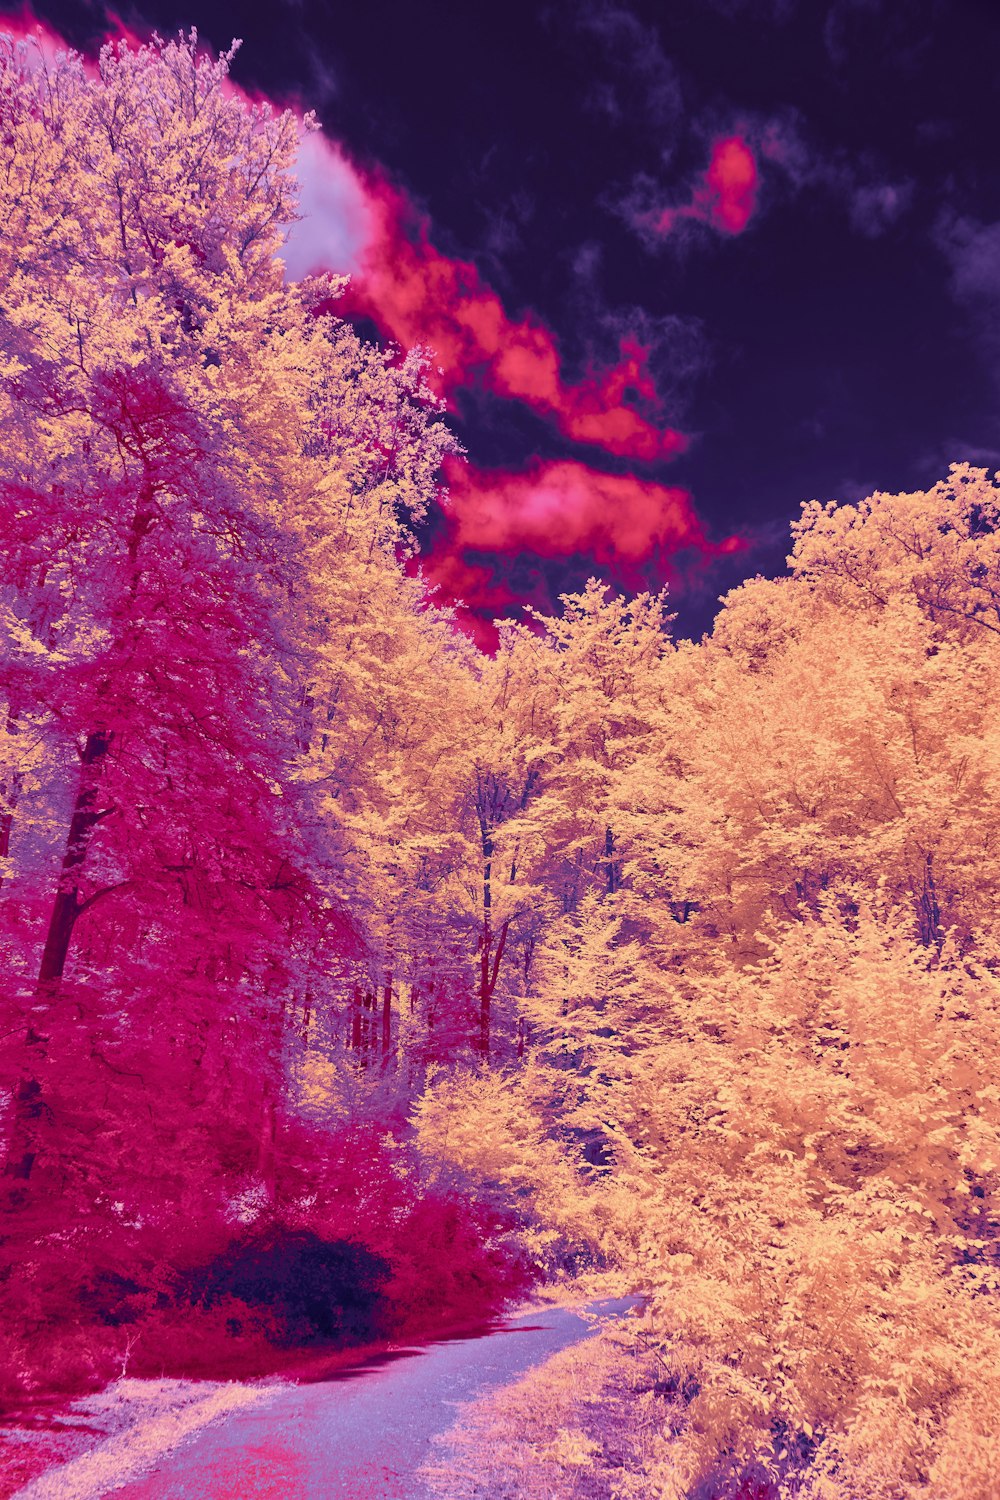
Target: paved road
(362, 1435)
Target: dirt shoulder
(98, 1442)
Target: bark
(10, 791)
(29, 1111)
(29, 1106)
(356, 1019)
(490, 959)
(486, 940)
(368, 1027)
(485, 996)
(493, 802)
(491, 950)
(609, 859)
(67, 905)
(928, 909)
(267, 1155)
(387, 1020)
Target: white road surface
(360, 1436)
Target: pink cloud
(479, 592)
(730, 187)
(560, 508)
(25, 27)
(552, 510)
(726, 196)
(417, 295)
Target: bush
(303, 1289)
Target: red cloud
(480, 591)
(417, 295)
(726, 196)
(560, 508)
(730, 185)
(24, 26)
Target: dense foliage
(327, 938)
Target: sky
(681, 266)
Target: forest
(357, 980)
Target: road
(363, 1434)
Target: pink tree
(149, 437)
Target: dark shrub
(309, 1290)
(112, 1298)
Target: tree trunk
(10, 791)
(490, 958)
(485, 997)
(29, 1103)
(10, 794)
(387, 1020)
(486, 945)
(928, 909)
(609, 859)
(67, 906)
(29, 1109)
(368, 1027)
(356, 1018)
(266, 1155)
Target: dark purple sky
(847, 338)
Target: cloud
(724, 198)
(480, 591)
(337, 219)
(972, 251)
(416, 294)
(42, 42)
(875, 206)
(935, 462)
(874, 203)
(503, 532)
(678, 351)
(561, 507)
(636, 55)
(356, 223)
(507, 531)
(873, 198)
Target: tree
(186, 439)
(766, 1058)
